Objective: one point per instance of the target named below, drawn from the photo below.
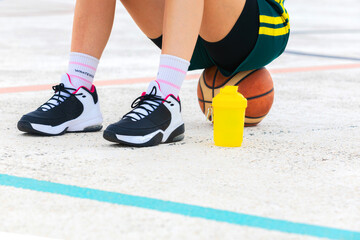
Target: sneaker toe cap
(39, 117)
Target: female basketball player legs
(225, 33)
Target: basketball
(255, 85)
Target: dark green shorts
(274, 30)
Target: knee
(219, 18)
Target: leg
(74, 106)
(179, 21)
(92, 26)
(93, 20)
(182, 21)
(147, 14)
(219, 18)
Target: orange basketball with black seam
(255, 85)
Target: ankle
(82, 69)
(171, 74)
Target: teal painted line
(178, 208)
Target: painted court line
(15, 236)
(321, 55)
(327, 31)
(178, 208)
(32, 88)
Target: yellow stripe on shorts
(274, 31)
(271, 20)
(274, 21)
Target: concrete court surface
(301, 164)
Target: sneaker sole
(25, 126)
(175, 136)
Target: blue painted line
(178, 208)
(321, 55)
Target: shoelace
(144, 105)
(61, 94)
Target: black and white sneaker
(68, 110)
(154, 119)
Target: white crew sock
(172, 72)
(82, 68)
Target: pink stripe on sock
(69, 79)
(80, 78)
(158, 85)
(81, 64)
(90, 90)
(168, 83)
(173, 68)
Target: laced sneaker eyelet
(140, 111)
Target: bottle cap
(229, 90)
(229, 97)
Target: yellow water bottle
(229, 117)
